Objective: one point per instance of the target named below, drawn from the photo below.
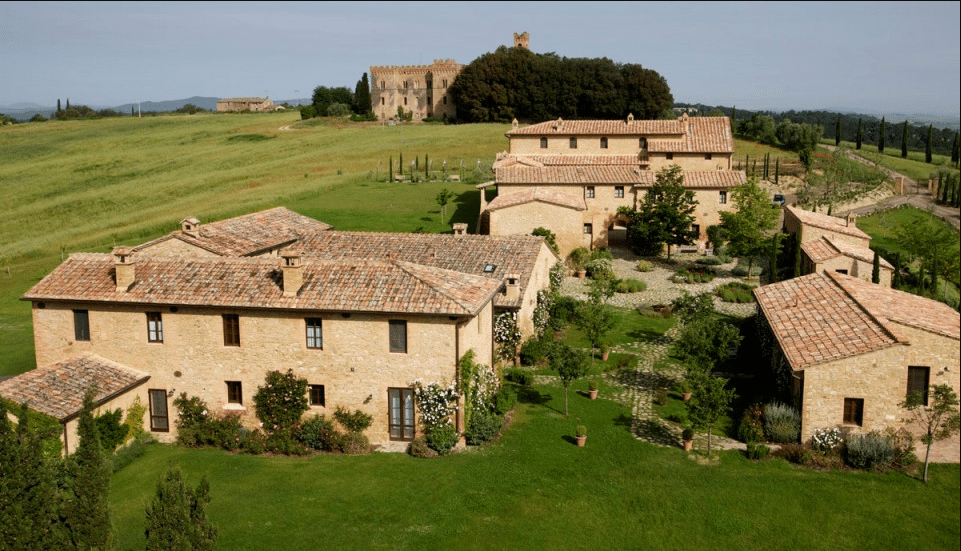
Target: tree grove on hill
(517, 83)
(324, 97)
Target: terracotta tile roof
(561, 160)
(531, 195)
(708, 179)
(469, 254)
(826, 222)
(819, 318)
(58, 389)
(611, 174)
(331, 285)
(686, 134)
(825, 248)
(247, 235)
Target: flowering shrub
(193, 411)
(827, 440)
(506, 334)
(134, 419)
(436, 402)
(479, 381)
(281, 401)
(542, 312)
(556, 276)
(782, 423)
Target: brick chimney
(851, 220)
(189, 226)
(513, 288)
(460, 228)
(123, 265)
(293, 269)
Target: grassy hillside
(89, 185)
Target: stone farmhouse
(834, 244)
(418, 89)
(571, 176)
(208, 310)
(247, 104)
(850, 351)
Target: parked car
(778, 200)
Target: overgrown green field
(913, 167)
(89, 185)
(535, 489)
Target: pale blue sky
(870, 56)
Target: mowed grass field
(90, 185)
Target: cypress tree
(390, 172)
(68, 103)
(734, 120)
(401, 162)
(896, 276)
(177, 517)
(362, 100)
(58, 104)
(426, 166)
(904, 140)
(858, 136)
(86, 508)
(876, 269)
(927, 147)
(797, 255)
(777, 170)
(881, 136)
(837, 132)
(955, 151)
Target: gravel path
(636, 387)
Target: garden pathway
(637, 385)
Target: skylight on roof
(490, 268)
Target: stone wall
(355, 364)
(852, 267)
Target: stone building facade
(421, 90)
(247, 104)
(851, 351)
(573, 175)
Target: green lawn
(535, 489)
(89, 185)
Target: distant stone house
(421, 90)
(247, 104)
(571, 176)
(208, 310)
(850, 351)
(834, 244)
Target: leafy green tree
(759, 128)
(281, 401)
(594, 316)
(444, 197)
(28, 492)
(85, 507)
(362, 100)
(927, 146)
(932, 241)
(881, 136)
(693, 308)
(938, 420)
(569, 364)
(710, 401)
(904, 140)
(858, 137)
(665, 216)
(548, 236)
(706, 343)
(748, 226)
(177, 517)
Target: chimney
(189, 226)
(630, 118)
(514, 124)
(460, 228)
(513, 288)
(851, 219)
(293, 273)
(123, 265)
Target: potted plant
(685, 390)
(578, 261)
(592, 388)
(581, 433)
(605, 351)
(687, 435)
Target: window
(707, 156)
(696, 230)
(401, 413)
(315, 333)
(398, 336)
(81, 325)
(445, 83)
(155, 327)
(670, 156)
(573, 143)
(405, 101)
(853, 411)
(159, 421)
(235, 392)
(543, 143)
(841, 271)
(604, 143)
(382, 101)
(316, 395)
(488, 269)
(589, 192)
(405, 85)
(918, 381)
(588, 229)
(619, 192)
(722, 197)
(445, 100)
(231, 330)
(383, 85)
(642, 143)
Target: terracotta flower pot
(605, 355)
(688, 445)
(687, 396)
(593, 394)
(580, 441)
(580, 274)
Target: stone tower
(522, 40)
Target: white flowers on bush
(506, 334)
(826, 440)
(436, 402)
(542, 312)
